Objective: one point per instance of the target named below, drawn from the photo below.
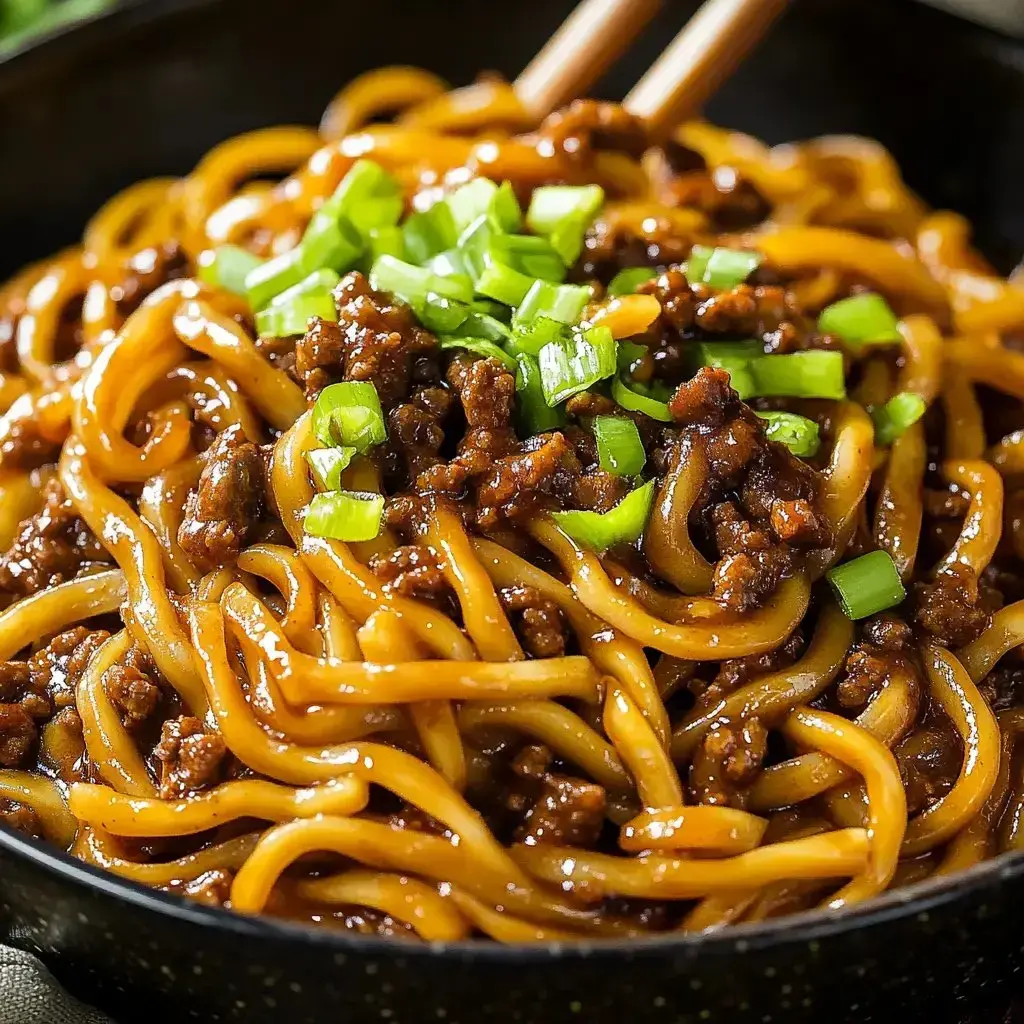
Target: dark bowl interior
(147, 91)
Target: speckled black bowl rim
(808, 926)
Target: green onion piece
(629, 354)
(563, 303)
(481, 346)
(532, 337)
(379, 212)
(812, 374)
(271, 278)
(475, 244)
(291, 317)
(387, 241)
(619, 448)
(504, 211)
(534, 413)
(867, 585)
(551, 205)
(736, 358)
(621, 525)
(441, 315)
(227, 267)
(504, 284)
(635, 400)
(861, 320)
(328, 464)
(349, 414)
(563, 213)
(470, 201)
(571, 365)
(797, 433)
(897, 415)
(413, 284)
(322, 280)
(529, 255)
(498, 310)
(449, 263)
(721, 268)
(365, 181)
(627, 280)
(428, 233)
(483, 325)
(345, 515)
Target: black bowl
(146, 90)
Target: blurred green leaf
(20, 20)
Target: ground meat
(21, 818)
(538, 621)
(888, 632)
(1003, 688)
(210, 889)
(867, 668)
(416, 431)
(376, 339)
(146, 271)
(929, 760)
(559, 810)
(486, 389)
(730, 202)
(224, 510)
(706, 401)
(728, 759)
(588, 125)
(613, 243)
(798, 524)
(280, 353)
(735, 672)
(18, 734)
(56, 669)
(132, 688)
(190, 758)
(50, 547)
(23, 444)
(950, 608)
(412, 571)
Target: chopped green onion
(379, 212)
(533, 336)
(721, 268)
(387, 241)
(627, 280)
(227, 267)
(530, 255)
(563, 303)
(441, 315)
(867, 585)
(483, 325)
(735, 357)
(428, 233)
(535, 415)
(897, 415)
(291, 317)
(349, 414)
(470, 201)
(812, 374)
(481, 346)
(330, 243)
(271, 278)
(630, 354)
(797, 433)
(563, 213)
(861, 320)
(504, 210)
(622, 524)
(322, 280)
(328, 464)
(413, 284)
(634, 400)
(504, 284)
(345, 515)
(364, 181)
(474, 245)
(449, 263)
(619, 448)
(571, 365)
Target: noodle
(429, 595)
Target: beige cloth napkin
(29, 994)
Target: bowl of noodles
(461, 565)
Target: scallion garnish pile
(488, 279)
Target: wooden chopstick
(586, 43)
(699, 59)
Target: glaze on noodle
(479, 721)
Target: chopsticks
(584, 46)
(681, 80)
